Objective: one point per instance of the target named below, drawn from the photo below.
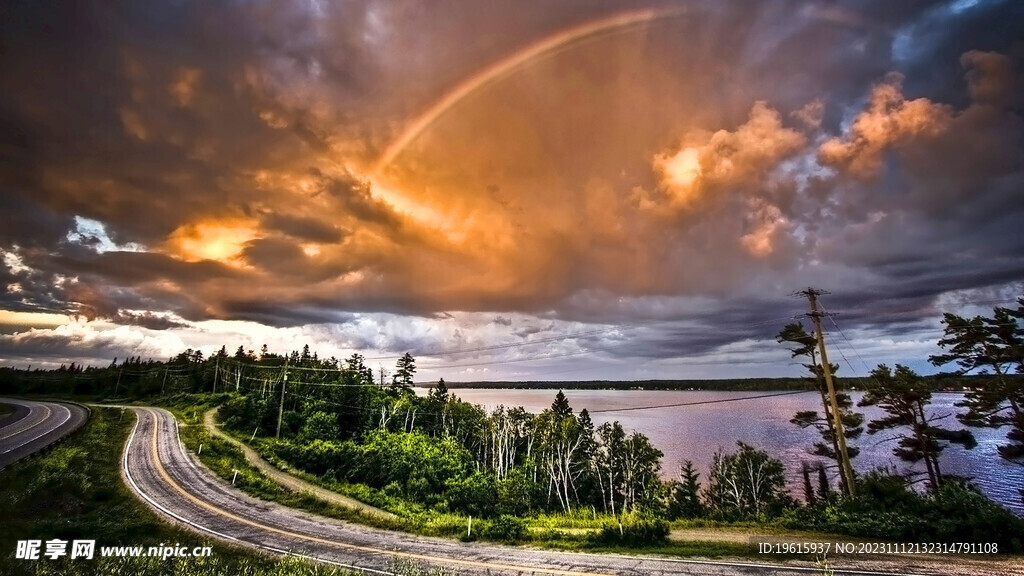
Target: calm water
(695, 432)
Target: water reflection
(696, 432)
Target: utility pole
(216, 372)
(844, 458)
(280, 408)
(116, 386)
(164, 382)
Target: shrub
(506, 528)
(319, 425)
(386, 457)
(475, 494)
(886, 507)
(634, 531)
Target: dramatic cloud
(630, 189)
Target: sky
(509, 190)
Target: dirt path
(287, 480)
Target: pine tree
(561, 406)
(404, 370)
(993, 346)
(686, 500)
(905, 396)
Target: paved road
(171, 481)
(35, 425)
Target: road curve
(168, 479)
(35, 425)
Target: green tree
(475, 494)
(404, 370)
(439, 393)
(806, 345)
(684, 497)
(517, 493)
(904, 396)
(611, 439)
(561, 440)
(319, 425)
(993, 346)
(641, 465)
(560, 407)
(746, 483)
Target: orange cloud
(724, 161)
(888, 120)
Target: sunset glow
(210, 240)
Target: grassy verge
(75, 492)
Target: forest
(431, 455)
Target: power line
(852, 347)
(700, 403)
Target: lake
(696, 432)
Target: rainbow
(543, 48)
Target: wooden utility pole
(164, 382)
(837, 420)
(216, 372)
(280, 408)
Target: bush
(319, 426)
(474, 495)
(518, 494)
(886, 507)
(630, 531)
(506, 528)
(386, 457)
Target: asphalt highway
(35, 425)
(157, 467)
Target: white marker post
(235, 475)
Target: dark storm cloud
(147, 320)
(274, 314)
(304, 228)
(689, 174)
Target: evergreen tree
(993, 346)
(404, 370)
(560, 406)
(439, 393)
(685, 502)
(905, 397)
